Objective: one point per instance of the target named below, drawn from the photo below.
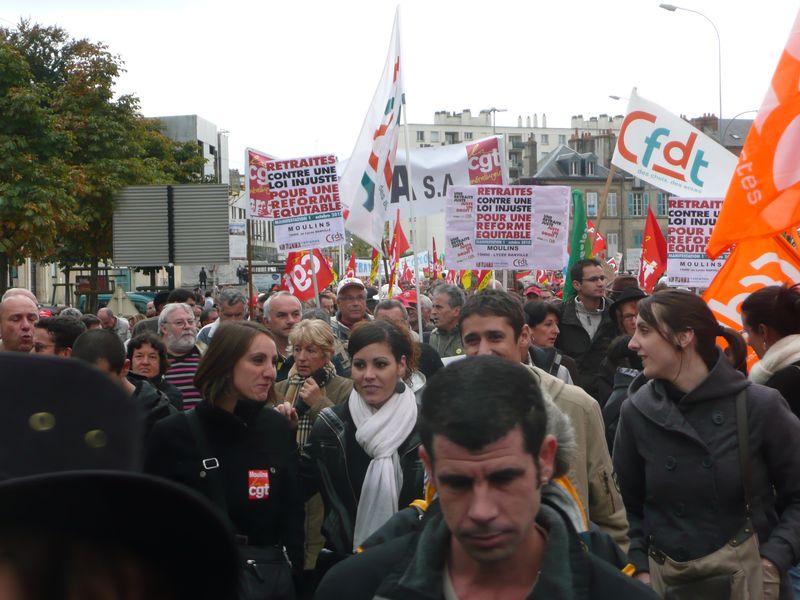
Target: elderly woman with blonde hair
(312, 385)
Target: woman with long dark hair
(362, 454)
(705, 458)
(771, 318)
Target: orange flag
(752, 265)
(763, 198)
(653, 261)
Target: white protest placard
(304, 202)
(666, 151)
(690, 223)
(550, 226)
(237, 232)
(503, 228)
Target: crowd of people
(516, 445)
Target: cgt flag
(764, 195)
(752, 265)
(297, 279)
(653, 261)
(366, 183)
(350, 270)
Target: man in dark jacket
(486, 450)
(586, 324)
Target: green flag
(579, 241)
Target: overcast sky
(296, 78)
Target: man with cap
(532, 293)
(77, 518)
(351, 298)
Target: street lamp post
(673, 8)
(494, 112)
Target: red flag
(763, 197)
(653, 261)
(350, 271)
(437, 264)
(399, 242)
(297, 276)
(408, 275)
(598, 241)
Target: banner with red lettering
(297, 278)
(303, 202)
(506, 227)
(688, 232)
(664, 150)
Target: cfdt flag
(764, 195)
(366, 183)
(653, 261)
(664, 150)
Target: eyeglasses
(595, 279)
(182, 323)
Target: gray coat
(679, 470)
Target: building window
(612, 242)
(573, 168)
(420, 136)
(562, 139)
(611, 204)
(435, 136)
(591, 204)
(637, 238)
(661, 204)
(467, 135)
(589, 167)
(635, 204)
(450, 137)
(545, 139)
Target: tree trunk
(3, 273)
(68, 298)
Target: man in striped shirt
(179, 331)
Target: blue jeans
(794, 576)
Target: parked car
(139, 299)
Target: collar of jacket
(334, 418)
(557, 581)
(569, 313)
(245, 413)
(651, 399)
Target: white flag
(366, 182)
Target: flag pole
(601, 209)
(249, 229)
(314, 276)
(411, 213)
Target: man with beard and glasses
(179, 332)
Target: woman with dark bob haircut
(771, 319)
(693, 502)
(235, 449)
(148, 356)
(362, 454)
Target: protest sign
(438, 168)
(237, 232)
(688, 232)
(664, 150)
(529, 222)
(256, 188)
(304, 202)
(503, 227)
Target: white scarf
(380, 432)
(784, 352)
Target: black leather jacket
(326, 467)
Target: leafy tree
(110, 144)
(35, 203)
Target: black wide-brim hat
(70, 451)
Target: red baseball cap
(532, 290)
(408, 298)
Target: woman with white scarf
(362, 454)
(771, 318)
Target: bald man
(18, 315)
